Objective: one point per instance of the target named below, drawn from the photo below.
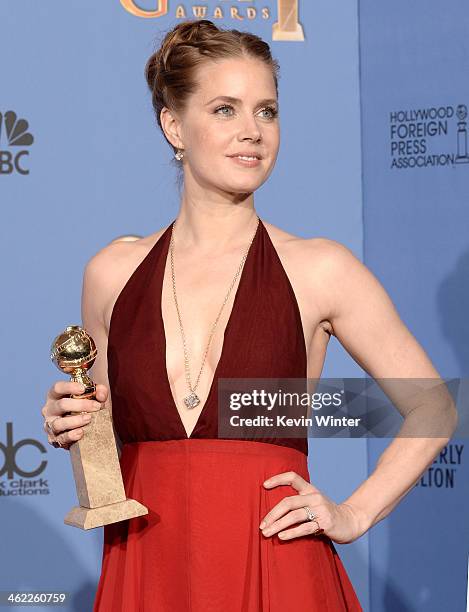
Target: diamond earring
(179, 154)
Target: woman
(233, 525)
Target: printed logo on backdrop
(15, 480)
(443, 472)
(14, 134)
(286, 27)
(429, 137)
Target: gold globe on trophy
(95, 462)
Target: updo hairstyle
(171, 70)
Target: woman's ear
(171, 127)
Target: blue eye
(223, 107)
(273, 111)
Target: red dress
(199, 548)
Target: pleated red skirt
(200, 549)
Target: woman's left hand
(341, 522)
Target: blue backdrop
(84, 163)
(414, 95)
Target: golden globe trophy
(95, 461)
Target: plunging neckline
(223, 350)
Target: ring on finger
(313, 518)
(310, 516)
(318, 530)
(49, 424)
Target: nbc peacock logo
(15, 133)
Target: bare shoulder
(318, 254)
(108, 270)
(323, 273)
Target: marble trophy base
(294, 34)
(89, 518)
(98, 478)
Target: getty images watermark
(257, 408)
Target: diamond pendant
(191, 400)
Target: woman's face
(233, 112)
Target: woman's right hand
(63, 428)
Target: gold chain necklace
(192, 400)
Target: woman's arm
(366, 323)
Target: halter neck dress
(199, 548)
